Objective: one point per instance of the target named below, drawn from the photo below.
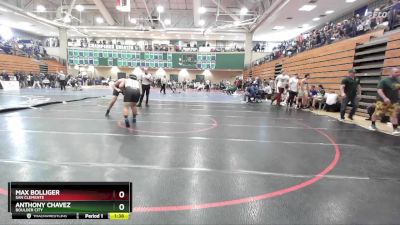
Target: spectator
(350, 90)
(332, 102)
(394, 14)
(319, 98)
(348, 28)
(36, 81)
(62, 79)
(293, 89)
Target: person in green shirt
(388, 100)
(350, 91)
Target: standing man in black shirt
(350, 91)
(147, 80)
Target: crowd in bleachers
(27, 48)
(85, 43)
(49, 80)
(311, 97)
(385, 17)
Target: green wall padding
(230, 61)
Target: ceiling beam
(196, 14)
(148, 13)
(71, 7)
(226, 10)
(274, 8)
(28, 4)
(104, 12)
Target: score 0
(122, 195)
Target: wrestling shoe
(373, 127)
(127, 123)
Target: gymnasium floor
(202, 158)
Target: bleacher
(370, 54)
(12, 64)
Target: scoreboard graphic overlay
(70, 200)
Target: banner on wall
(9, 85)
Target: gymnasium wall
(213, 75)
(55, 66)
(392, 55)
(326, 65)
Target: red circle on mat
(268, 195)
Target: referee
(147, 80)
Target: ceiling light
(316, 19)
(222, 36)
(202, 10)
(99, 20)
(6, 32)
(202, 23)
(350, 1)
(80, 8)
(243, 11)
(236, 23)
(329, 12)
(307, 7)
(133, 20)
(94, 33)
(67, 19)
(167, 22)
(278, 28)
(160, 9)
(306, 25)
(40, 8)
(24, 24)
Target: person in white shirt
(331, 98)
(281, 82)
(163, 84)
(131, 88)
(62, 78)
(272, 84)
(147, 80)
(293, 89)
(268, 91)
(207, 86)
(172, 86)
